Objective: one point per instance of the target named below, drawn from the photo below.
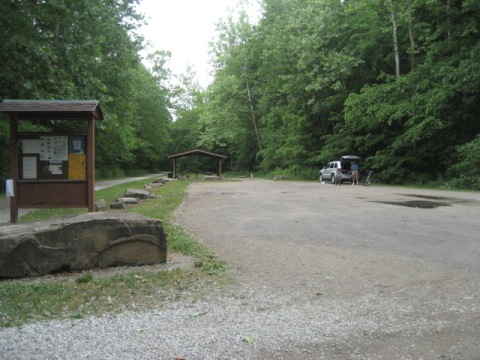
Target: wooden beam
(14, 166)
(91, 164)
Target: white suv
(344, 164)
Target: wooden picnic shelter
(52, 169)
(218, 160)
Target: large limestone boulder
(94, 240)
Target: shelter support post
(174, 170)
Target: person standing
(355, 173)
(338, 177)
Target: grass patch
(86, 294)
(109, 194)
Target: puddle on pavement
(449, 200)
(418, 204)
(427, 201)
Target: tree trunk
(393, 18)
(253, 117)
(448, 17)
(411, 35)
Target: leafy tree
(188, 102)
(306, 70)
(72, 49)
(394, 81)
(229, 121)
(464, 173)
(413, 123)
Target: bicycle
(368, 179)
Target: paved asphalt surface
(5, 203)
(339, 272)
(440, 226)
(407, 261)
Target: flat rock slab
(94, 240)
(128, 200)
(139, 194)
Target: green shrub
(465, 174)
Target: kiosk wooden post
(91, 164)
(13, 166)
(52, 169)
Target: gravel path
(322, 272)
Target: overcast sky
(185, 28)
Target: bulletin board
(52, 157)
(52, 169)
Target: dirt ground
(402, 265)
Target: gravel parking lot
(383, 272)
(322, 272)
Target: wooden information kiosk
(52, 169)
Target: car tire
(321, 178)
(333, 179)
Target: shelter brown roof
(53, 109)
(197, 152)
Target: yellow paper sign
(77, 167)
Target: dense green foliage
(396, 82)
(72, 49)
